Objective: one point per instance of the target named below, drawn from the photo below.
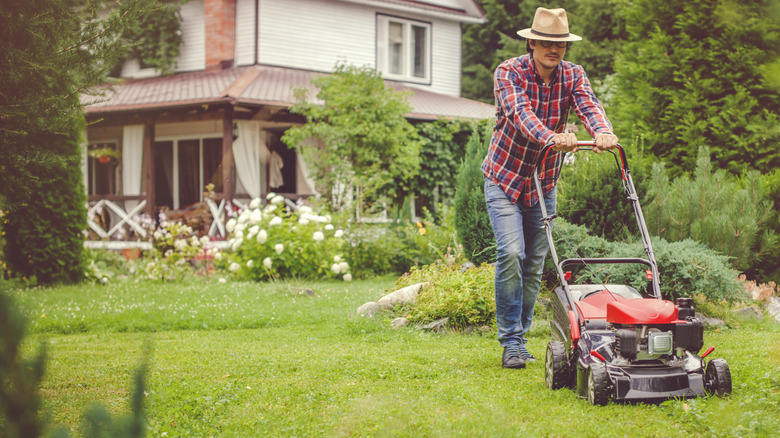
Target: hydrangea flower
(262, 236)
(347, 277)
(230, 226)
(329, 227)
(318, 236)
(256, 203)
(267, 263)
(279, 248)
(256, 216)
(234, 267)
(275, 221)
(278, 199)
(250, 263)
(339, 233)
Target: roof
(470, 12)
(256, 86)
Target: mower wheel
(598, 384)
(717, 378)
(556, 367)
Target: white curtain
(132, 162)
(249, 150)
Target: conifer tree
(52, 52)
(695, 73)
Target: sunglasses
(548, 44)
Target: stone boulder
(406, 295)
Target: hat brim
(527, 33)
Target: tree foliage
(442, 149)
(472, 221)
(486, 45)
(693, 74)
(367, 141)
(52, 52)
(729, 215)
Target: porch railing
(117, 227)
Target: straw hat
(549, 25)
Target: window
(102, 169)
(403, 49)
(183, 168)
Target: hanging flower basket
(104, 154)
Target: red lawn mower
(611, 342)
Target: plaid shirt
(528, 115)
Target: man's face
(547, 57)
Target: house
(157, 141)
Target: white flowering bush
(174, 246)
(274, 242)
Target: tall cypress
(695, 73)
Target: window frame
(383, 48)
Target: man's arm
(517, 106)
(592, 114)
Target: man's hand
(566, 142)
(605, 142)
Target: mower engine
(658, 342)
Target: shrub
(590, 192)
(174, 248)
(686, 268)
(727, 214)
(376, 249)
(279, 242)
(466, 297)
(43, 232)
(472, 222)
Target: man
(534, 94)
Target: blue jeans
(521, 244)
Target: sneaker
(525, 354)
(512, 358)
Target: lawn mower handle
(633, 198)
(585, 146)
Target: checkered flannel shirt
(528, 114)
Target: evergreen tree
(693, 74)
(472, 222)
(52, 52)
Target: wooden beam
(228, 163)
(148, 163)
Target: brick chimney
(220, 33)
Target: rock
(407, 295)
(773, 307)
(466, 266)
(369, 309)
(751, 312)
(712, 322)
(398, 323)
(437, 326)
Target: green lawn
(250, 360)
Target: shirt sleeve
(513, 101)
(588, 107)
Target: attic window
(404, 49)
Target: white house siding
(445, 62)
(193, 28)
(245, 32)
(316, 35)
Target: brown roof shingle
(256, 85)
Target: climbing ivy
(157, 39)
